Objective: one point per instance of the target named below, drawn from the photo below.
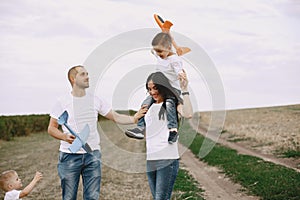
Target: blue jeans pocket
(62, 156)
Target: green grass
(291, 154)
(186, 187)
(260, 178)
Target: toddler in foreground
(11, 184)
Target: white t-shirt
(157, 133)
(82, 110)
(171, 67)
(12, 195)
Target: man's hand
(69, 138)
(140, 113)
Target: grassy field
(274, 130)
(260, 178)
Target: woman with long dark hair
(163, 157)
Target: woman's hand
(183, 81)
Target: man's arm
(57, 134)
(126, 119)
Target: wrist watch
(185, 93)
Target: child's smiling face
(161, 51)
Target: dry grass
(269, 129)
(39, 152)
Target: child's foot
(164, 25)
(173, 135)
(137, 133)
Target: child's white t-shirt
(171, 67)
(12, 195)
(82, 110)
(157, 133)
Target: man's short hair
(73, 72)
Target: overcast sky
(254, 45)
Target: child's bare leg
(180, 50)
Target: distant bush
(22, 125)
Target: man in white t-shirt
(83, 108)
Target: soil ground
(262, 132)
(39, 152)
(123, 170)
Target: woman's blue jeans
(161, 177)
(72, 166)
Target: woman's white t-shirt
(82, 110)
(157, 133)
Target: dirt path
(245, 149)
(123, 174)
(120, 179)
(215, 184)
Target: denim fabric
(71, 166)
(171, 113)
(148, 101)
(161, 177)
(170, 110)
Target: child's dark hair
(165, 89)
(163, 39)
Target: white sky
(254, 44)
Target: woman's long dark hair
(165, 89)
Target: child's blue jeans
(170, 110)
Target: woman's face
(154, 92)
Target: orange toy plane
(165, 27)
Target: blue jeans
(170, 110)
(72, 166)
(161, 177)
